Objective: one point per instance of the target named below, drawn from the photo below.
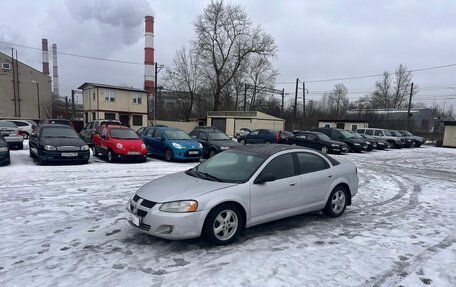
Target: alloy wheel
(225, 225)
(338, 201)
(324, 149)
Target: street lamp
(38, 97)
(157, 70)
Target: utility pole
(73, 106)
(245, 97)
(157, 70)
(38, 97)
(303, 103)
(408, 110)
(14, 82)
(295, 105)
(283, 98)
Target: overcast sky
(317, 40)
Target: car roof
(268, 149)
(115, 126)
(54, 126)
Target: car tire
(20, 147)
(324, 149)
(111, 156)
(168, 155)
(31, 153)
(349, 148)
(39, 159)
(238, 135)
(337, 202)
(242, 141)
(212, 152)
(223, 224)
(94, 151)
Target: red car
(118, 142)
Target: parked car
(213, 141)
(241, 188)
(241, 132)
(171, 143)
(317, 141)
(353, 144)
(140, 130)
(406, 140)
(4, 151)
(384, 134)
(89, 129)
(57, 122)
(418, 140)
(25, 126)
(117, 142)
(370, 144)
(57, 143)
(381, 144)
(12, 135)
(261, 136)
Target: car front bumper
(167, 225)
(337, 149)
(183, 154)
(131, 157)
(60, 156)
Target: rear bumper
(14, 141)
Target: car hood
(62, 141)
(178, 186)
(355, 140)
(227, 143)
(188, 144)
(334, 142)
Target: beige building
(24, 91)
(230, 121)
(449, 134)
(128, 105)
(349, 125)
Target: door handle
(330, 175)
(293, 183)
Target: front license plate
(69, 154)
(133, 219)
(193, 152)
(133, 153)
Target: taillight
(21, 133)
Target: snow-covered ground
(64, 226)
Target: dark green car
(213, 140)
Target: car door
(204, 140)
(146, 137)
(314, 141)
(103, 140)
(158, 142)
(316, 179)
(252, 137)
(279, 198)
(263, 136)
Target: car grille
(142, 207)
(67, 148)
(145, 227)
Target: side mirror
(104, 137)
(265, 178)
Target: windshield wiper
(209, 176)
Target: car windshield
(323, 137)
(7, 125)
(216, 136)
(347, 134)
(288, 134)
(367, 136)
(126, 134)
(388, 133)
(406, 133)
(229, 166)
(58, 132)
(60, 122)
(356, 135)
(177, 135)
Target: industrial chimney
(44, 45)
(149, 83)
(55, 76)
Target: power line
(76, 55)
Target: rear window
(8, 125)
(332, 160)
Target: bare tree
(382, 94)
(401, 87)
(185, 76)
(225, 39)
(338, 100)
(261, 74)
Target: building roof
(83, 86)
(241, 114)
(387, 111)
(344, 121)
(9, 57)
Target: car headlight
(179, 146)
(368, 142)
(85, 147)
(200, 145)
(143, 146)
(335, 145)
(356, 143)
(49, 147)
(180, 206)
(3, 149)
(224, 148)
(380, 143)
(119, 146)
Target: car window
(335, 135)
(312, 137)
(203, 136)
(104, 132)
(370, 132)
(158, 134)
(378, 133)
(176, 135)
(309, 162)
(149, 132)
(20, 124)
(281, 166)
(263, 132)
(361, 131)
(58, 132)
(301, 135)
(254, 133)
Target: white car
(26, 126)
(242, 132)
(11, 134)
(242, 187)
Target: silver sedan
(240, 188)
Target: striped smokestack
(55, 75)
(149, 55)
(44, 45)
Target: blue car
(171, 143)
